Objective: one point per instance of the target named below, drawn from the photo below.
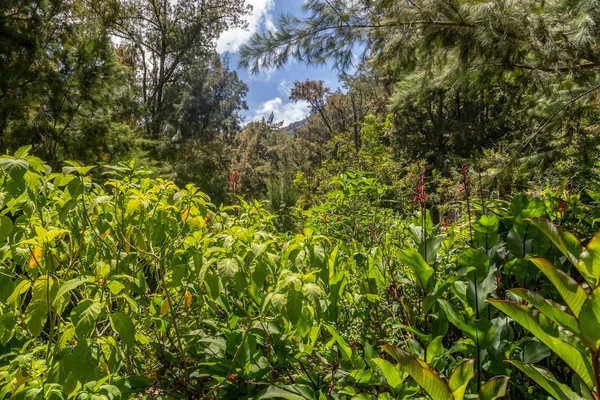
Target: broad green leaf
(546, 380)
(480, 331)
(589, 320)
(289, 392)
(590, 260)
(494, 388)
(564, 241)
(424, 273)
(477, 298)
(479, 260)
(535, 351)
(258, 248)
(70, 285)
(391, 374)
(37, 310)
(552, 311)
(430, 248)
(459, 380)
(8, 322)
(486, 231)
(418, 370)
(23, 151)
(123, 325)
(116, 287)
(430, 300)
(361, 376)
(312, 291)
(21, 288)
(425, 336)
(293, 306)
(435, 348)
(451, 312)
(73, 166)
(84, 317)
(228, 267)
(346, 350)
(332, 262)
(6, 228)
(580, 363)
(570, 290)
(14, 167)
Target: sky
(268, 92)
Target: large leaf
(590, 260)
(84, 317)
(494, 388)
(70, 285)
(589, 320)
(14, 167)
(570, 290)
(552, 311)
(480, 331)
(578, 362)
(564, 241)
(228, 267)
(391, 374)
(346, 350)
(123, 325)
(36, 313)
(435, 348)
(418, 370)
(6, 228)
(535, 351)
(424, 273)
(431, 299)
(459, 380)
(293, 307)
(477, 298)
(546, 380)
(486, 231)
(288, 392)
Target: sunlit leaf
(418, 370)
(546, 380)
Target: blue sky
(268, 92)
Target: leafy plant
(572, 330)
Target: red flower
(562, 206)
(445, 223)
(421, 195)
(231, 377)
(233, 179)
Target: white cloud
(286, 112)
(231, 40)
(285, 88)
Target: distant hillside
(294, 125)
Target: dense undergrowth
(134, 287)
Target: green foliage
(137, 287)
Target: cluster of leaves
(136, 287)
